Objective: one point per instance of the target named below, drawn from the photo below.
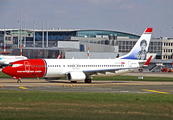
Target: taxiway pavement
(95, 86)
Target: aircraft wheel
(73, 81)
(19, 81)
(87, 80)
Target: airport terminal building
(75, 43)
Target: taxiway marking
(23, 88)
(155, 91)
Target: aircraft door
(129, 63)
(27, 66)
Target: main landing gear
(18, 81)
(87, 80)
(73, 81)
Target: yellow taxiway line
(155, 91)
(23, 87)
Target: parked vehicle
(164, 69)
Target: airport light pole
(20, 29)
(160, 33)
(4, 34)
(34, 35)
(88, 48)
(47, 34)
(18, 35)
(43, 33)
(136, 31)
(25, 30)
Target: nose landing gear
(18, 81)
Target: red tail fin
(148, 61)
(59, 57)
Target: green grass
(2, 75)
(85, 106)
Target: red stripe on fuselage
(26, 68)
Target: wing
(106, 71)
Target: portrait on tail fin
(140, 49)
(142, 53)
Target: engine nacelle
(76, 76)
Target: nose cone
(5, 70)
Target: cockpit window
(10, 65)
(16, 65)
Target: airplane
(59, 56)
(5, 60)
(82, 69)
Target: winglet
(149, 30)
(148, 61)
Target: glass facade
(59, 35)
(126, 45)
(155, 47)
(94, 33)
(54, 35)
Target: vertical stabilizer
(139, 51)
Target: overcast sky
(131, 16)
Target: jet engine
(76, 76)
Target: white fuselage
(94, 67)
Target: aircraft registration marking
(29, 71)
(155, 91)
(23, 88)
